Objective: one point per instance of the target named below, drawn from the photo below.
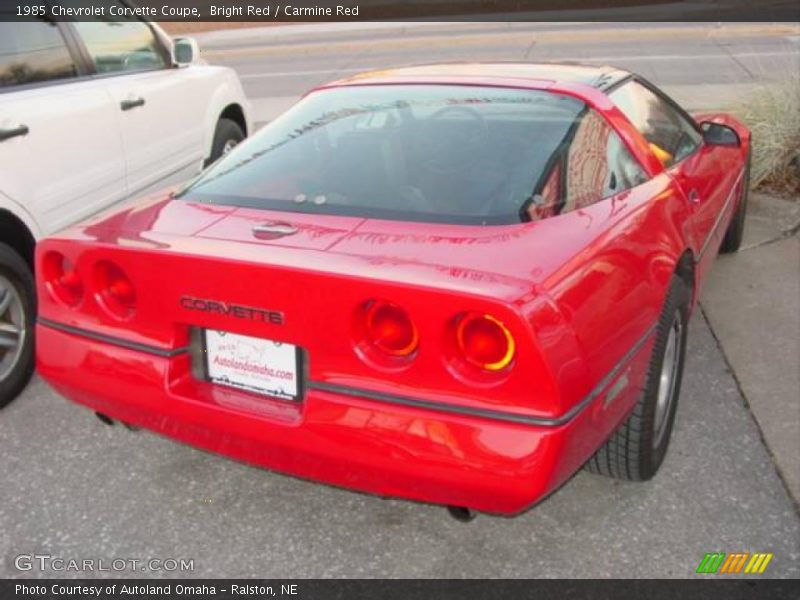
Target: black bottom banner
(384, 589)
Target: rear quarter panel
(610, 292)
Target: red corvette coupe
(451, 283)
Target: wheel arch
(16, 234)
(235, 113)
(685, 270)
(226, 99)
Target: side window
(670, 135)
(592, 164)
(33, 52)
(120, 46)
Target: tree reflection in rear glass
(434, 153)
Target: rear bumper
(357, 443)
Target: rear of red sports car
(371, 294)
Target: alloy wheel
(229, 145)
(12, 327)
(666, 383)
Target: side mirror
(185, 51)
(716, 134)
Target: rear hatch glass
(431, 153)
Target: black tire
(636, 449)
(16, 285)
(226, 135)
(735, 232)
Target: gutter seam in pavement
(783, 235)
(795, 501)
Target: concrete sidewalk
(752, 302)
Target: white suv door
(162, 124)
(61, 155)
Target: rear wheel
(227, 136)
(735, 232)
(636, 450)
(17, 310)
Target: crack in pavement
(783, 235)
(795, 501)
(724, 47)
(529, 49)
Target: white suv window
(33, 52)
(120, 46)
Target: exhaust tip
(462, 513)
(104, 418)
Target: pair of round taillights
(107, 283)
(478, 339)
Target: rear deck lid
(277, 228)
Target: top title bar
(429, 10)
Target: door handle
(132, 103)
(694, 197)
(6, 134)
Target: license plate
(254, 364)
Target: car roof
(598, 77)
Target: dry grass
(773, 114)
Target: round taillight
(484, 342)
(61, 279)
(390, 329)
(115, 291)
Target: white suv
(92, 113)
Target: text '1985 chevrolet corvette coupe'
(450, 283)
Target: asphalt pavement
(75, 488)
(703, 66)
